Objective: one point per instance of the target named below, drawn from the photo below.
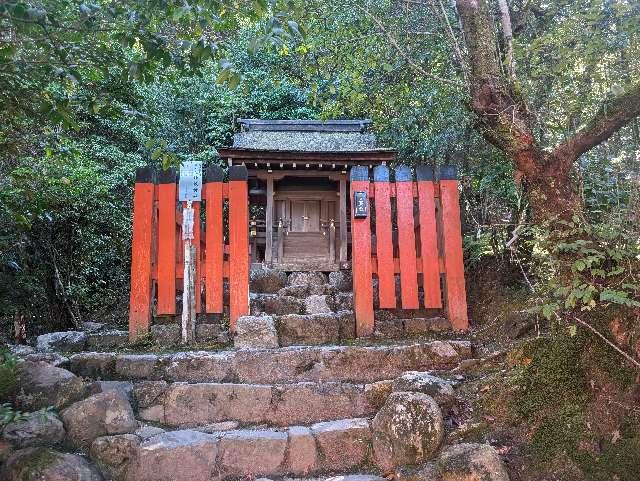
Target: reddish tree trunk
(505, 120)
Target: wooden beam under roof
(368, 157)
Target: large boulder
(146, 431)
(166, 334)
(315, 329)
(211, 333)
(439, 389)
(123, 387)
(50, 357)
(341, 301)
(309, 329)
(407, 430)
(44, 464)
(343, 444)
(280, 305)
(179, 455)
(316, 278)
(341, 280)
(247, 453)
(42, 385)
(425, 472)
(6, 448)
(303, 290)
(36, 429)
(303, 454)
(104, 340)
(114, 454)
(68, 341)
(255, 332)
(93, 364)
(316, 304)
(471, 462)
(102, 414)
(267, 281)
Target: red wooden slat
(238, 244)
(140, 295)
(453, 260)
(213, 269)
(429, 244)
(361, 258)
(167, 244)
(406, 241)
(384, 239)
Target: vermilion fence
(157, 264)
(417, 238)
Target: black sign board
(360, 205)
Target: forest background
(535, 102)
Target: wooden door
(312, 215)
(305, 216)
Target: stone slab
(285, 365)
(192, 405)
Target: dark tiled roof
(305, 135)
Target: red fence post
(361, 257)
(452, 247)
(406, 238)
(167, 242)
(428, 238)
(238, 244)
(214, 242)
(384, 238)
(140, 294)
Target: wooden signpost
(190, 190)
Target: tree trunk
(553, 194)
(505, 120)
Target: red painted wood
(213, 269)
(166, 249)
(140, 295)
(452, 252)
(384, 247)
(429, 245)
(238, 251)
(361, 266)
(407, 246)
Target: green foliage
(8, 386)
(592, 267)
(67, 234)
(56, 55)
(8, 414)
(65, 206)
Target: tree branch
(505, 118)
(507, 33)
(609, 343)
(403, 53)
(611, 117)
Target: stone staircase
(296, 396)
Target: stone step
(359, 364)
(300, 299)
(326, 328)
(182, 405)
(189, 455)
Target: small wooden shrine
(298, 187)
(303, 195)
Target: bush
(8, 377)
